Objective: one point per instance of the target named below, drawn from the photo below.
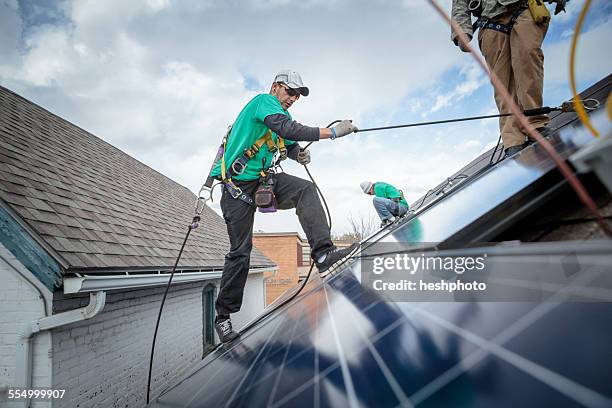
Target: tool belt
(486, 24)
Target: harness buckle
(238, 167)
(233, 189)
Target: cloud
(49, 58)
(592, 60)
(162, 79)
(472, 79)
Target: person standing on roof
(265, 119)
(389, 202)
(510, 39)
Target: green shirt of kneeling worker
(388, 201)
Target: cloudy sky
(162, 79)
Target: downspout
(23, 371)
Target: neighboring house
(292, 255)
(87, 237)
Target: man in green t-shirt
(267, 114)
(389, 202)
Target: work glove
(560, 5)
(344, 128)
(463, 47)
(303, 157)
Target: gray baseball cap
(292, 79)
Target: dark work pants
(290, 192)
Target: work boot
(225, 331)
(512, 150)
(545, 131)
(332, 257)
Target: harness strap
(228, 183)
(239, 165)
(485, 24)
(237, 193)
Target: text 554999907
(36, 394)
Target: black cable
(424, 198)
(495, 150)
(192, 226)
(441, 189)
(327, 212)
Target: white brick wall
(104, 361)
(20, 303)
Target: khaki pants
(518, 62)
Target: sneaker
(334, 256)
(386, 222)
(225, 331)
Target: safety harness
(238, 166)
(485, 24)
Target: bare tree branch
(361, 226)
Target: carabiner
(202, 199)
(588, 104)
(594, 104)
(474, 5)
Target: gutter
(23, 372)
(93, 283)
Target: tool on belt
(265, 199)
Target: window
(208, 318)
(305, 255)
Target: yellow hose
(582, 115)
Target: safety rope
(565, 107)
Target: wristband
(333, 136)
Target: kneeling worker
(264, 127)
(389, 202)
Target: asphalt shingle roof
(95, 205)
